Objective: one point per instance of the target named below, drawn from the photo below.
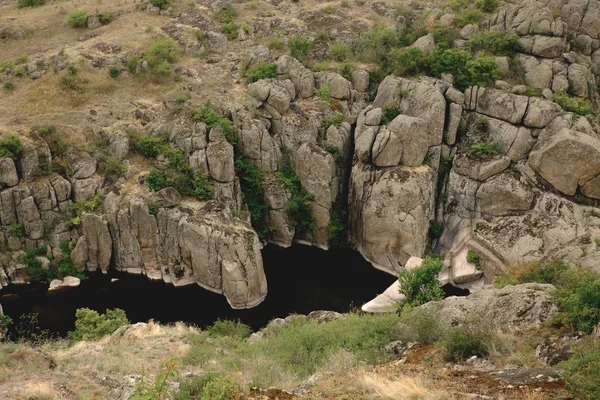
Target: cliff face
(396, 177)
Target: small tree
(299, 46)
(420, 285)
(90, 325)
(77, 18)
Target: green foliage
(209, 386)
(203, 189)
(420, 285)
(487, 5)
(11, 147)
(460, 344)
(231, 30)
(339, 51)
(482, 124)
(77, 18)
(159, 389)
(30, 3)
(324, 92)
(5, 321)
(132, 62)
(332, 120)
(153, 209)
(577, 105)
(338, 157)
(328, 10)
(147, 145)
(16, 230)
(112, 168)
(337, 228)
(468, 17)
(408, 61)
(161, 53)
(226, 14)
(299, 46)
(489, 149)
(105, 17)
(251, 181)
(156, 180)
(9, 86)
(480, 72)
(578, 294)
(583, 369)
(80, 206)
(298, 207)
(114, 72)
(58, 269)
(436, 229)
(418, 326)
(495, 42)
(90, 325)
(375, 45)
(162, 4)
(473, 258)
(211, 118)
(390, 111)
(444, 36)
(235, 329)
(69, 83)
(275, 43)
(260, 70)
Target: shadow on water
(301, 279)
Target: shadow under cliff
(301, 279)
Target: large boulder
(566, 160)
(390, 212)
(8, 173)
(517, 307)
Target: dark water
(301, 279)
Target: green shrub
(461, 344)
(390, 111)
(298, 207)
(420, 285)
(203, 189)
(480, 72)
(16, 230)
(209, 386)
(90, 325)
(161, 53)
(159, 389)
(436, 229)
(482, 124)
(114, 72)
(9, 86)
(324, 92)
(153, 209)
(339, 51)
(30, 3)
(337, 228)
(407, 61)
(155, 180)
(473, 258)
(487, 5)
(444, 36)
(332, 120)
(579, 106)
(112, 168)
(63, 266)
(580, 309)
(489, 149)
(132, 62)
(260, 70)
(230, 328)
(80, 206)
(68, 83)
(496, 43)
(11, 147)
(231, 30)
(251, 181)
(77, 18)
(418, 326)
(162, 4)
(581, 371)
(328, 10)
(105, 17)
(211, 118)
(299, 46)
(275, 43)
(226, 14)
(468, 17)
(5, 321)
(147, 145)
(375, 45)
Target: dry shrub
(401, 388)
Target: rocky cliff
(425, 178)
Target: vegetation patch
(11, 147)
(260, 70)
(473, 258)
(30, 3)
(495, 42)
(77, 18)
(207, 114)
(299, 46)
(84, 205)
(577, 105)
(90, 325)
(161, 54)
(488, 149)
(251, 181)
(390, 111)
(337, 228)
(420, 285)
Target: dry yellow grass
(401, 388)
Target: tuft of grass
(260, 70)
(486, 149)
